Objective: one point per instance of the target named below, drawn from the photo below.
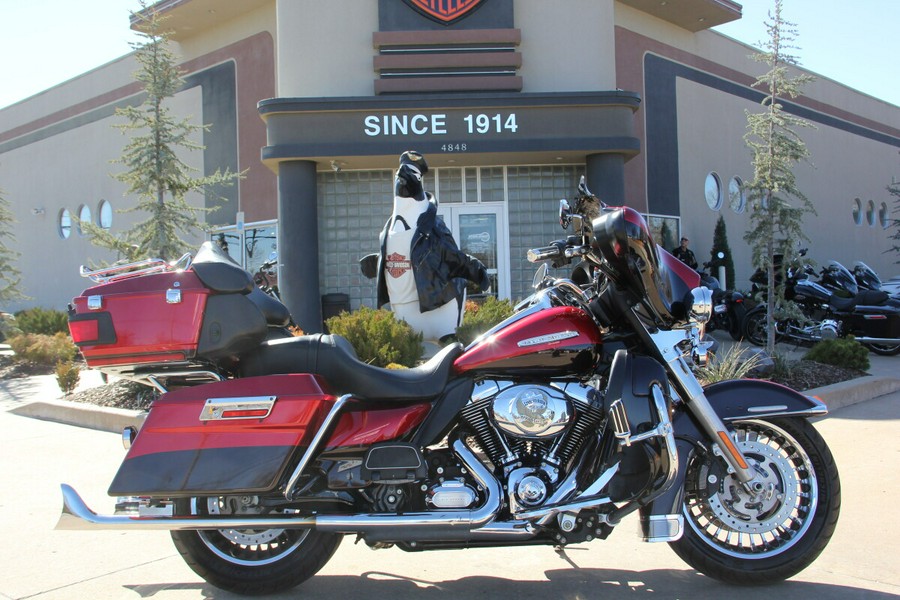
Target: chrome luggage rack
(140, 268)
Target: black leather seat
(332, 357)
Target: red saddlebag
(223, 438)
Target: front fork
(669, 344)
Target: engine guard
(733, 401)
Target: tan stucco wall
(325, 48)
(65, 171)
(711, 126)
(567, 50)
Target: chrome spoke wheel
(735, 522)
(250, 561)
(247, 546)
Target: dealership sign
(445, 11)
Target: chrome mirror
(565, 213)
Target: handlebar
(556, 250)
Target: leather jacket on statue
(415, 239)
(440, 268)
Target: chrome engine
(530, 432)
(827, 329)
(532, 411)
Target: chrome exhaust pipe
(445, 525)
(77, 516)
(882, 341)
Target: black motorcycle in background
(729, 309)
(832, 308)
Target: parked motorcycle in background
(729, 309)
(578, 410)
(865, 276)
(833, 307)
(266, 277)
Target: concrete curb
(82, 414)
(853, 391)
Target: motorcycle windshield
(636, 264)
(866, 275)
(842, 277)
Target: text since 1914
(438, 124)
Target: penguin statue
(421, 271)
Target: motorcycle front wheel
(754, 327)
(249, 561)
(745, 539)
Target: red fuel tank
(550, 343)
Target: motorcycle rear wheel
(884, 349)
(251, 562)
(744, 540)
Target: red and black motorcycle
(264, 450)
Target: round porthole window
(737, 195)
(104, 214)
(713, 191)
(857, 211)
(64, 224)
(84, 216)
(870, 213)
(883, 217)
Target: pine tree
(894, 190)
(720, 244)
(154, 172)
(778, 205)
(10, 277)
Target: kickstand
(561, 551)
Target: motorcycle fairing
(660, 282)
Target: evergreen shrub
(378, 338)
(841, 352)
(44, 321)
(480, 318)
(43, 349)
(67, 376)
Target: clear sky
(46, 42)
(856, 43)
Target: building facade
(511, 101)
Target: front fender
(740, 399)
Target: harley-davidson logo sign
(445, 11)
(397, 264)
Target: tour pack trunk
(176, 317)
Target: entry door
(480, 230)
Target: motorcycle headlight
(701, 305)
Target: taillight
(92, 329)
(84, 331)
